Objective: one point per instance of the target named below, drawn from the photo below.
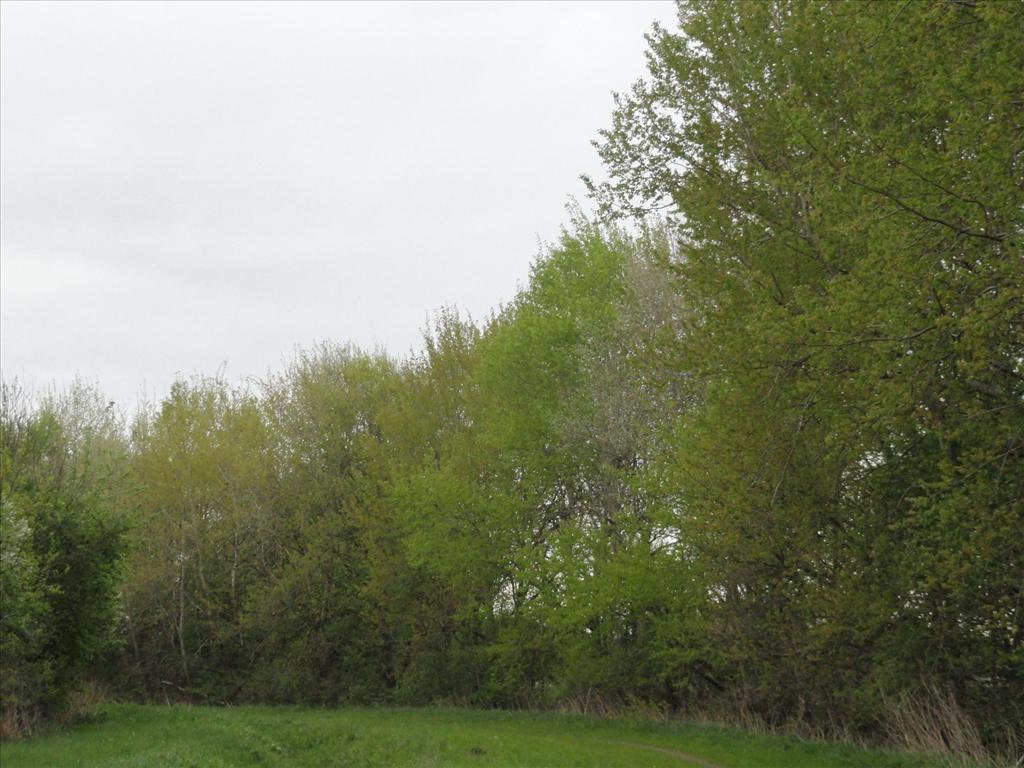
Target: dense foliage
(848, 186)
(765, 456)
(62, 522)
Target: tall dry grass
(933, 722)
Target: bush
(61, 546)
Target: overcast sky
(185, 185)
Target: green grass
(124, 736)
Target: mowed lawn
(154, 737)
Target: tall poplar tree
(847, 180)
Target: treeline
(761, 456)
(468, 524)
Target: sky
(187, 188)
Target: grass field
(123, 736)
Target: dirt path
(666, 751)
